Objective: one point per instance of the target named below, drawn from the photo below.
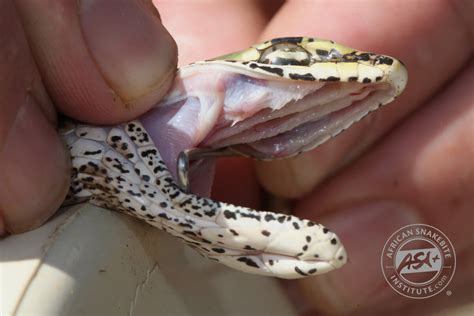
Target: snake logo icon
(418, 261)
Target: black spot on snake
(211, 212)
(186, 225)
(250, 215)
(298, 270)
(88, 179)
(385, 60)
(322, 52)
(331, 78)
(306, 77)
(364, 56)
(229, 215)
(89, 153)
(293, 40)
(165, 216)
(269, 217)
(248, 262)
(174, 195)
(273, 70)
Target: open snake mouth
(274, 100)
(226, 109)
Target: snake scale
(325, 87)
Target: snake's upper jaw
(219, 106)
(279, 122)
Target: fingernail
(133, 51)
(34, 169)
(363, 230)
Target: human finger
(421, 173)
(101, 61)
(33, 163)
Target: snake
(273, 100)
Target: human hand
(420, 172)
(95, 61)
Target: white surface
(89, 261)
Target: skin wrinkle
(24, 81)
(48, 111)
(97, 66)
(35, 86)
(64, 86)
(457, 8)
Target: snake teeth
(121, 169)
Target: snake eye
(285, 54)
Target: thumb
(99, 61)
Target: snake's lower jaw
(319, 267)
(119, 168)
